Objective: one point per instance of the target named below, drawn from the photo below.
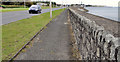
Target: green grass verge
(20, 9)
(17, 34)
(13, 9)
(0, 43)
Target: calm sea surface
(107, 12)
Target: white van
(35, 9)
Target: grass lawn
(17, 34)
(13, 9)
(20, 9)
(0, 43)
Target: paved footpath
(53, 43)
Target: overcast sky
(93, 2)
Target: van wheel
(37, 12)
(40, 11)
(29, 13)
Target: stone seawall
(94, 42)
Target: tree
(28, 4)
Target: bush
(2, 6)
(28, 4)
(14, 6)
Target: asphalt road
(8, 17)
(53, 43)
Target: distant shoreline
(103, 6)
(99, 6)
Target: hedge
(13, 6)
